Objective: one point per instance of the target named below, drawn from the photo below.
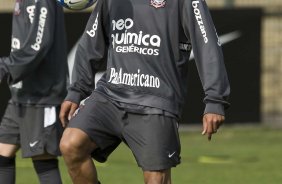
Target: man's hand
(211, 122)
(67, 110)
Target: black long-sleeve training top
(37, 65)
(147, 45)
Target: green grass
(240, 155)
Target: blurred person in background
(139, 99)
(36, 71)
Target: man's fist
(67, 111)
(211, 122)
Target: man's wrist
(215, 108)
(74, 97)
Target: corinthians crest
(158, 3)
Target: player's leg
(92, 132)
(76, 147)
(157, 177)
(8, 150)
(7, 163)
(154, 141)
(40, 133)
(47, 169)
(9, 144)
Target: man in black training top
(36, 71)
(139, 99)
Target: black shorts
(153, 138)
(36, 130)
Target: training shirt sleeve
(3, 70)
(90, 55)
(199, 27)
(37, 43)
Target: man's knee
(75, 142)
(157, 177)
(67, 146)
(45, 165)
(8, 150)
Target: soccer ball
(76, 4)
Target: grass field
(236, 155)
